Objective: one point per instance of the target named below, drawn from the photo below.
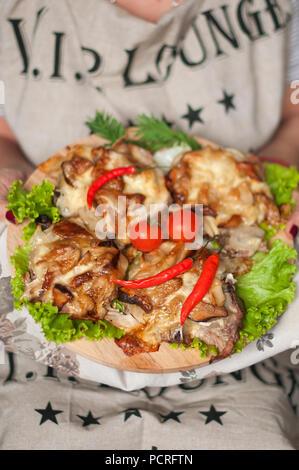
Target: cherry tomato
(183, 225)
(146, 237)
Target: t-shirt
(212, 68)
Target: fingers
(3, 205)
(8, 176)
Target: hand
(293, 222)
(7, 177)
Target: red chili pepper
(108, 176)
(160, 278)
(163, 276)
(201, 287)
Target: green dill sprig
(155, 134)
(106, 127)
(152, 134)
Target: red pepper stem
(201, 249)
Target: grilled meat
(83, 165)
(212, 320)
(230, 188)
(69, 267)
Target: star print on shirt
(89, 419)
(193, 115)
(227, 101)
(130, 412)
(48, 414)
(213, 415)
(172, 415)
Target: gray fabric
(293, 70)
(249, 409)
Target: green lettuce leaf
(29, 230)
(266, 290)
(56, 326)
(60, 328)
(282, 182)
(20, 261)
(38, 201)
(196, 344)
(20, 258)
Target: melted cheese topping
(215, 180)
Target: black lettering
(146, 391)
(219, 381)
(294, 387)
(250, 22)
(128, 81)
(11, 364)
(214, 25)
(237, 375)
(160, 56)
(187, 61)
(50, 374)
(38, 16)
(16, 24)
(57, 55)
(276, 14)
(96, 59)
(262, 372)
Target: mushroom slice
(130, 296)
(74, 167)
(204, 311)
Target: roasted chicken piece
(216, 319)
(83, 165)
(72, 269)
(233, 189)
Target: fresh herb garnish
(115, 303)
(151, 134)
(106, 127)
(155, 134)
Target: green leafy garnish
(106, 127)
(282, 182)
(115, 303)
(60, 328)
(29, 230)
(197, 344)
(56, 326)
(266, 290)
(38, 201)
(269, 230)
(20, 258)
(155, 134)
(30, 205)
(151, 134)
(20, 262)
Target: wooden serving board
(105, 351)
